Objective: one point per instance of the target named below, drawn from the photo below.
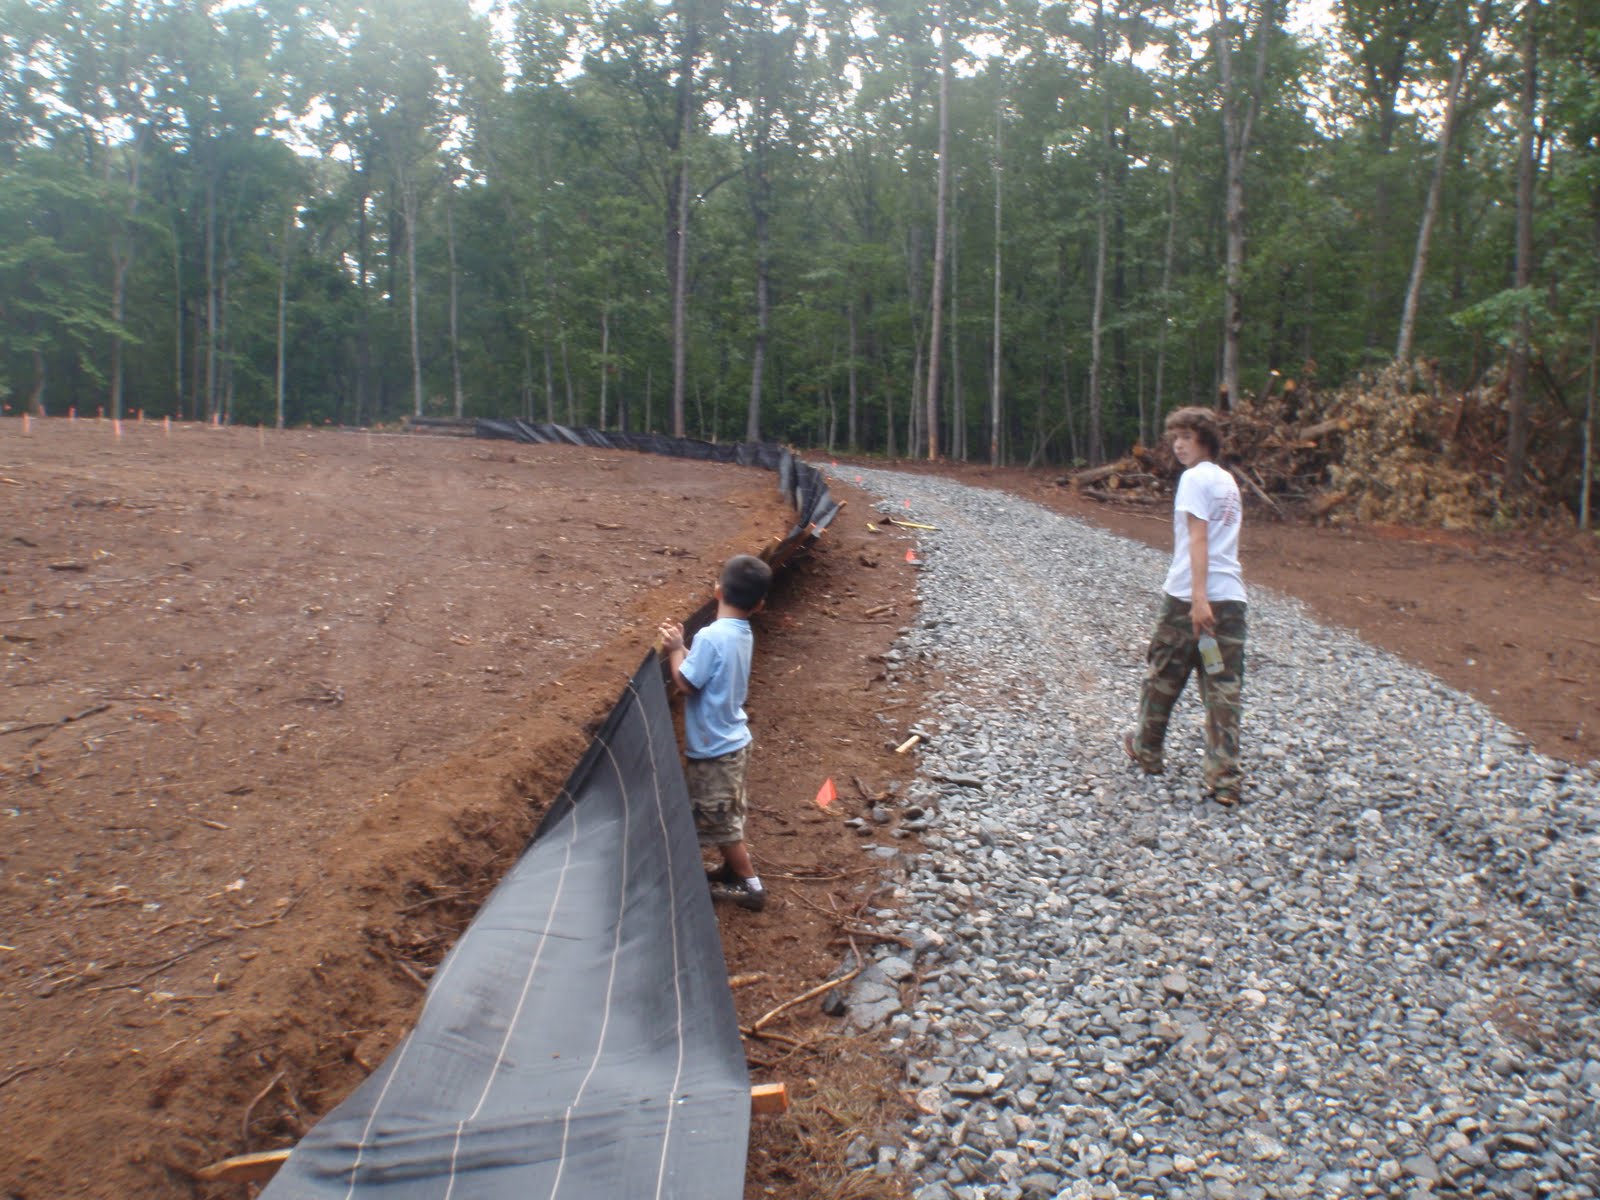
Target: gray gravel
(1378, 977)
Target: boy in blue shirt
(715, 678)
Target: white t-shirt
(1207, 491)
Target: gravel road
(1378, 977)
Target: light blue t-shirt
(718, 665)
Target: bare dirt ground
(278, 709)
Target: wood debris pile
(1279, 448)
(1403, 459)
(1396, 447)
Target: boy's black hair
(1203, 423)
(745, 580)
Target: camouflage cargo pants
(1173, 656)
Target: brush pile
(1397, 447)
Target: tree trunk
(566, 373)
(210, 397)
(455, 302)
(1517, 375)
(177, 315)
(36, 393)
(1430, 211)
(1101, 242)
(622, 391)
(851, 420)
(409, 204)
(1587, 476)
(225, 376)
(1238, 115)
(680, 281)
(1168, 253)
(752, 424)
(549, 383)
(364, 319)
(994, 372)
(940, 229)
(283, 308)
(121, 260)
(958, 414)
(605, 361)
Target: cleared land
(279, 708)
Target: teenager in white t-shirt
(1203, 595)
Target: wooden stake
(769, 1098)
(244, 1168)
(908, 743)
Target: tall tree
(1239, 108)
(994, 369)
(941, 229)
(1472, 32)
(1517, 375)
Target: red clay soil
(280, 708)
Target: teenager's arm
(1199, 551)
(672, 644)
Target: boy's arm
(1200, 614)
(672, 644)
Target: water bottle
(1210, 654)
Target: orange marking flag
(827, 794)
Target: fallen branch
(441, 898)
(20, 1072)
(804, 996)
(162, 966)
(249, 1109)
(1312, 432)
(875, 936)
(768, 1036)
(1094, 474)
(56, 724)
(1245, 479)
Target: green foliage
(228, 152)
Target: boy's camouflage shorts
(716, 789)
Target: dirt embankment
(280, 708)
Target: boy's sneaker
(723, 874)
(740, 893)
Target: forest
(1011, 233)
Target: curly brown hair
(1203, 423)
